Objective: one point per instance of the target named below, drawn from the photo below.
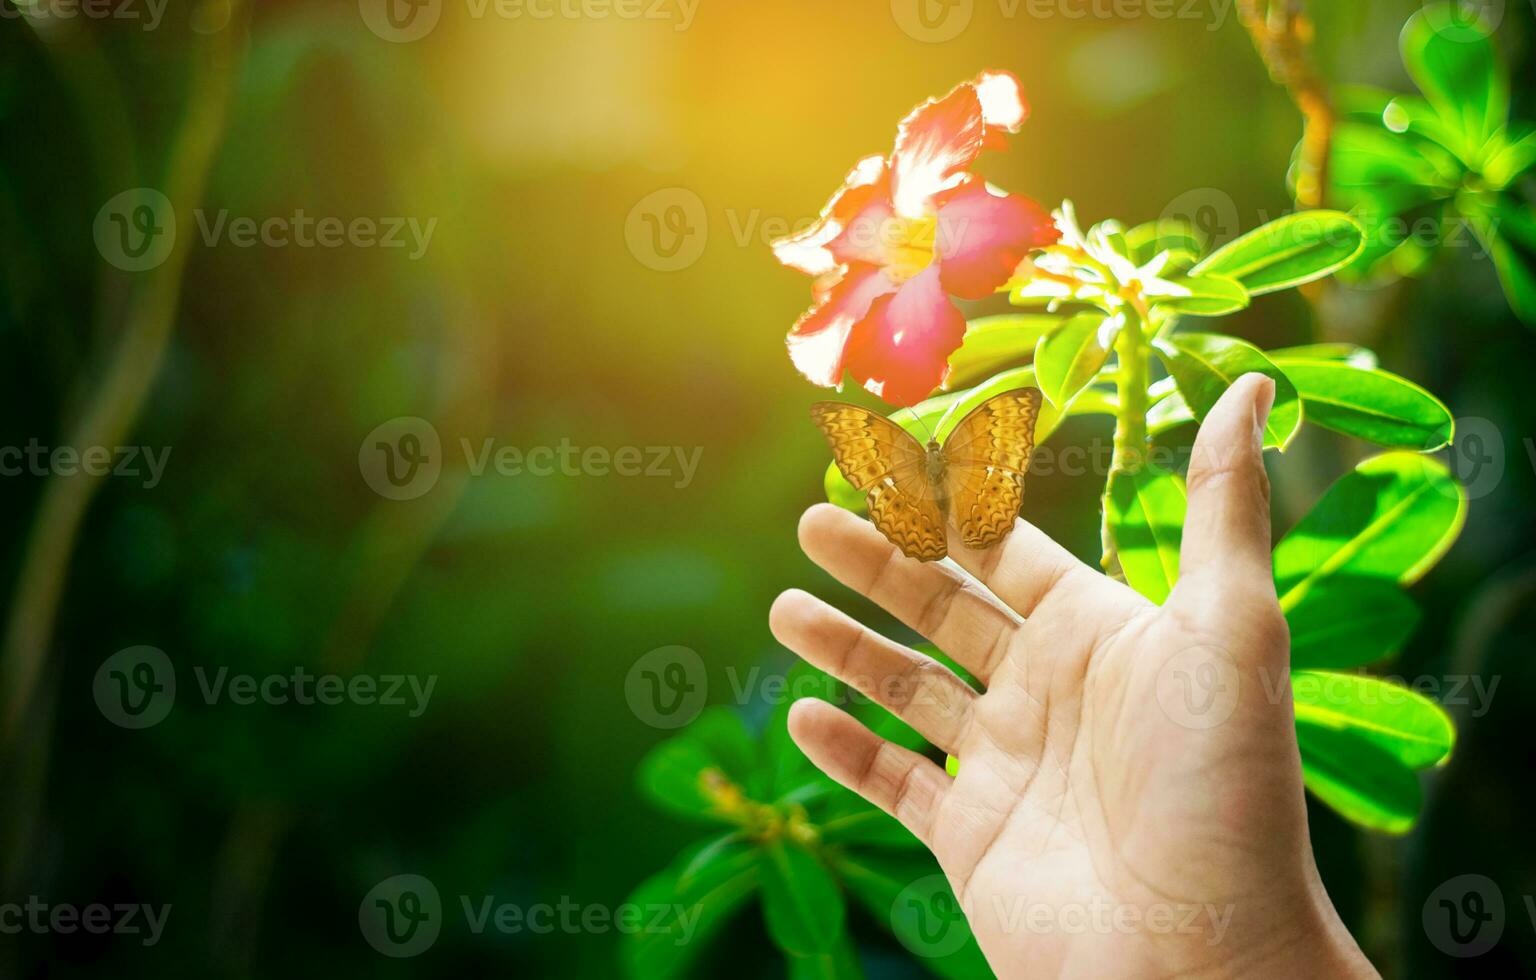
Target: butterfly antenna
(920, 422)
(947, 413)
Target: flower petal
(934, 146)
(942, 137)
(808, 251)
(866, 236)
(984, 234)
(817, 340)
(900, 351)
(1003, 109)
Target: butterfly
(974, 481)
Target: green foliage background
(530, 321)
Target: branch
(1130, 418)
(1283, 34)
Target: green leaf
(865, 826)
(692, 772)
(1068, 357)
(708, 897)
(1511, 239)
(994, 343)
(801, 902)
(680, 776)
(1407, 114)
(1397, 171)
(724, 735)
(1168, 413)
(1204, 365)
(1145, 241)
(841, 492)
(1510, 160)
(1348, 353)
(1448, 50)
(910, 896)
(1398, 243)
(1349, 622)
(1358, 779)
(1394, 185)
(1369, 403)
(1093, 401)
(963, 402)
(784, 768)
(1145, 509)
(1415, 731)
(1288, 251)
(1203, 295)
(1391, 519)
(707, 855)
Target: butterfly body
(935, 466)
(915, 492)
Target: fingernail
(1263, 401)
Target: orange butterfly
(975, 480)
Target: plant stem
(1131, 422)
(1130, 417)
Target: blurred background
(581, 205)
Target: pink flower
(902, 236)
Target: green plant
(1418, 170)
(1107, 336)
(1115, 304)
(796, 842)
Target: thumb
(1226, 532)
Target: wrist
(1317, 945)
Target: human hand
(1129, 800)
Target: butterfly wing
(881, 460)
(912, 523)
(986, 457)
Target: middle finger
(942, 603)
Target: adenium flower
(902, 236)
